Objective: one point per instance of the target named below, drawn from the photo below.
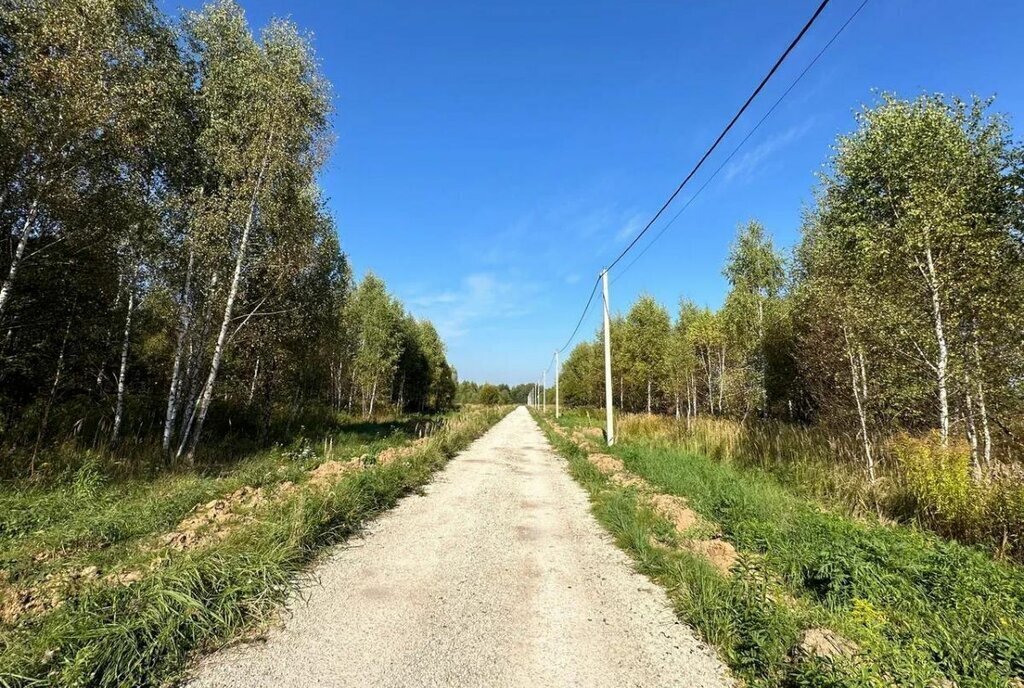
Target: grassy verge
(910, 608)
(107, 633)
(917, 479)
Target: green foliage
(169, 264)
(900, 315)
(489, 394)
(934, 485)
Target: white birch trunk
(972, 430)
(982, 410)
(859, 386)
(203, 404)
(252, 385)
(119, 406)
(942, 364)
(19, 252)
(709, 367)
(721, 380)
(194, 365)
(373, 398)
(174, 392)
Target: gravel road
(497, 576)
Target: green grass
(920, 608)
(143, 634)
(95, 516)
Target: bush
(934, 486)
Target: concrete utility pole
(609, 420)
(558, 413)
(544, 391)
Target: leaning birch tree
(264, 108)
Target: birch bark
(203, 405)
(179, 349)
(19, 253)
(115, 433)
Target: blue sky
(492, 156)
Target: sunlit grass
(142, 634)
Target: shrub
(936, 483)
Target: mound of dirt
(607, 464)
(15, 603)
(824, 643)
(124, 578)
(392, 454)
(48, 594)
(330, 471)
(720, 553)
(675, 510)
(630, 480)
(213, 520)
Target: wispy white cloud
(629, 228)
(753, 160)
(481, 298)
(538, 239)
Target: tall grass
(142, 634)
(917, 479)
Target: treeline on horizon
(168, 263)
(490, 394)
(901, 309)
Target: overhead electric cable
(710, 150)
(728, 127)
(745, 139)
(582, 316)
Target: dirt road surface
(498, 576)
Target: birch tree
(914, 194)
(376, 318)
(645, 346)
(79, 87)
(756, 275)
(264, 109)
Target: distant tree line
(901, 308)
(492, 395)
(166, 250)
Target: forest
(489, 394)
(170, 269)
(890, 340)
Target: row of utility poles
(538, 396)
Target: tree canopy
(169, 259)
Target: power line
(710, 150)
(745, 139)
(728, 127)
(582, 316)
